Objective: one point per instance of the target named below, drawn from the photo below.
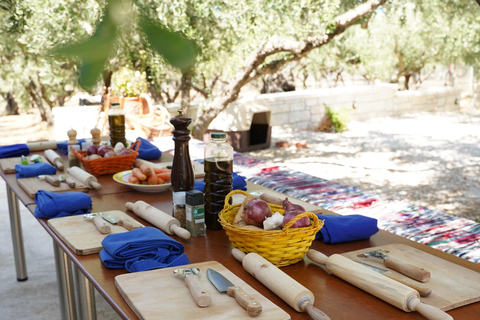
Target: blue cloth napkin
(148, 151)
(337, 229)
(34, 169)
(63, 146)
(14, 150)
(239, 183)
(56, 205)
(142, 249)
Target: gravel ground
(427, 159)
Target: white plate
(122, 177)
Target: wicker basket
(280, 247)
(109, 165)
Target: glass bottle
(218, 167)
(183, 178)
(179, 207)
(116, 122)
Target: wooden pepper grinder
(73, 161)
(183, 178)
(95, 132)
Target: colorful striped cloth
(439, 230)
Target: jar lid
(218, 135)
(178, 197)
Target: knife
(422, 290)
(224, 285)
(394, 263)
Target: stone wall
(304, 109)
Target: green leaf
(177, 51)
(92, 52)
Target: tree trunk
(185, 87)
(45, 113)
(12, 105)
(255, 67)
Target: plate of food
(125, 177)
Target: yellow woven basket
(280, 247)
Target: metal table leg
(65, 283)
(85, 295)
(17, 236)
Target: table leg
(85, 297)
(65, 283)
(17, 236)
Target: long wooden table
(337, 298)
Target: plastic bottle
(116, 121)
(218, 168)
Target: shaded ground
(431, 160)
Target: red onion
(256, 212)
(291, 211)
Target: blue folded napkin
(14, 150)
(148, 151)
(337, 229)
(56, 205)
(63, 146)
(142, 249)
(34, 169)
(239, 183)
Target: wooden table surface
(335, 297)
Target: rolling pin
(54, 158)
(289, 290)
(158, 218)
(85, 177)
(42, 145)
(391, 291)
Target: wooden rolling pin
(288, 289)
(54, 158)
(158, 218)
(391, 291)
(85, 177)
(42, 145)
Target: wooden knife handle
(253, 307)
(427, 311)
(129, 225)
(53, 181)
(408, 269)
(71, 183)
(421, 288)
(101, 225)
(199, 294)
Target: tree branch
(254, 66)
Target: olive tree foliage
(407, 40)
(27, 30)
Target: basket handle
(78, 155)
(227, 205)
(136, 145)
(317, 223)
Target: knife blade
(423, 290)
(222, 284)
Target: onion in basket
(256, 212)
(292, 210)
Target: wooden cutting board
(8, 164)
(158, 294)
(33, 184)
(452, 285)
(81, 235)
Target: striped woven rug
(439, 230)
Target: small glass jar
(178, 211)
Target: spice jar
(179, 212)
(195, 213)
